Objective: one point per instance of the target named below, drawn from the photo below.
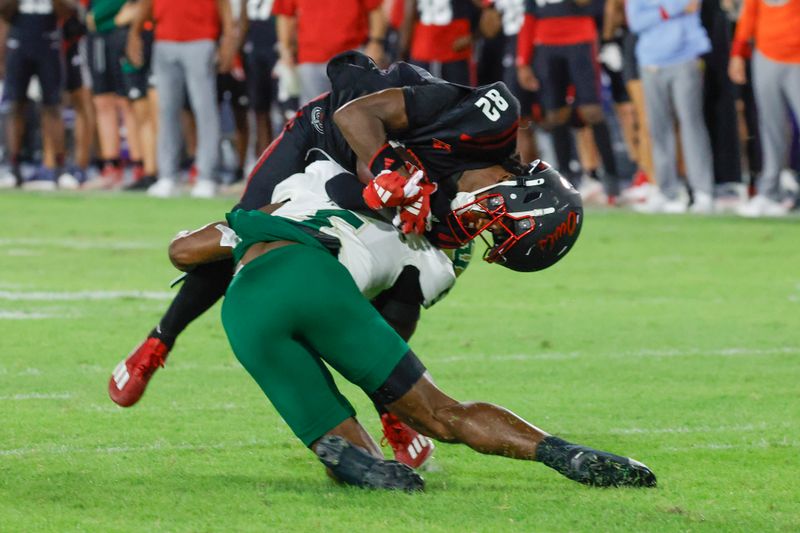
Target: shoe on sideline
(163, 188)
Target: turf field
(675, 340)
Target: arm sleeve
(425, 103)
(372, 5)
(642, 17)
(284, 7)
(745, 29)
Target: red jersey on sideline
(186, 20)
(440, 24)
(554, 24)
(773, 26)
(327, 28)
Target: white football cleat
(163, 188)
(658, 203)
(204, 189)
(703, 204)
(761, 206)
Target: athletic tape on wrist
(384, 159)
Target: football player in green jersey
(292, 306)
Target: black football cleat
(593, 467)
(354, 466)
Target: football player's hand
(737, 71)
(462, 43)
(611, 56)
(527, 79)
(392, 189)
(134, 49)
(416, 217)
(226, 53)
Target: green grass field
(673, 340)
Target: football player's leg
(19, 70)
(261, 315)
(50, 78)
(494, 430)
(259, 90)
(400, 308)
(551, 70)
(585, 75)
(205, 285)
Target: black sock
(201, 289)
(602, 138)
(562, 144)
(555, 453)
(382, 410)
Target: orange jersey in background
(774, 28)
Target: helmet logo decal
(567, 227)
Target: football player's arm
(613, 18)
(228, 39)
(286, 28)
(64, 8)
(210, 243)
(213, 242)
(364, 122)
(377, 34)
(134, 48)
(243, 23)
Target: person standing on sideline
(671, 41)
(308, 23)
(773, 29)
(33, 48)
(194, 39)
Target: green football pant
(289, 310)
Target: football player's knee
(557, 117)
(592, 114)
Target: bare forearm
(377, 24)
(143, 15)
(226, 18)
(205, 245)
(364, 122)
(285, 28)
(64, 8)
(243, 24)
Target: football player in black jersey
(259, 38)
(459, 137)
(34, 49)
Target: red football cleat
(131, 376)
(410, 447)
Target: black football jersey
(556, 8)
(451, 127)
(34, 20)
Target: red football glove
(390, 189)
(416, 217)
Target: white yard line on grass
(154, 447)
(689, 429)
(45, 296)
(643, 353)
(84, 244)
(761, 445)
(37, 396)
(6, 314)
(167, 447)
